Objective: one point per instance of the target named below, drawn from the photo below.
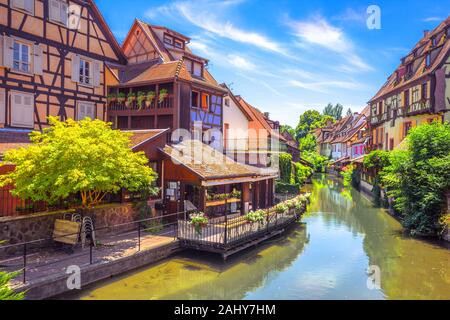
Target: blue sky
(286, 57)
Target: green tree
(86, 157)
(418, 177)
(308, 143)
(286, 168)
(349, 112)
(286, 128)
(334, 111)
(308, 121)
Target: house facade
(417, 92)
(55, 59)
(165, 85)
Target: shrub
(282, 188)
(281, 208)
(286, 168)
(418, 177)
(347, 173)
(302, 173)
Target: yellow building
(416, 93)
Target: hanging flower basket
(163, 94)
(112, 97)
(140, 99)
(149, 98)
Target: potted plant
(121, 97)
(140, 99)
(281, 208)
(150, 97)
(255, 216)
(130, 98)
(199, 221)
(163, 93)
(236, 194)
(112, 97)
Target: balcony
(419, 106)
(145, 106)
(379, 118)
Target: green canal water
(326, 256)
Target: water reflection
(324, 258)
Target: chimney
(425, 33)
(267, 115)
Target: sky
(286, 57)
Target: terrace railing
(167, 103)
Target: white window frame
(20, 61)
(62, 18)
(82, 72)
(86, 103)
(15, 5)
(13, 122)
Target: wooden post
(226, 222)
(202, 199)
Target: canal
(326, 256)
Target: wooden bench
(66, 232)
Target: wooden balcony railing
(167, 103)
(422, 105)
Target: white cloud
(209, 16)
(433, 19)
(321, 34)
(240, 62)
(322, 86)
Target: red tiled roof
(140, 136)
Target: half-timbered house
(56, 58)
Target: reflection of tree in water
(246, 272)
(410, 268)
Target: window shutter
(37, 61)
(8, 52)
(75, 68)
(204, 101)
(96, 73)
(64, 13)
(1, 50)
(29, 6)
(22, 111)
(54, 12)
(2, 105)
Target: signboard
(66, 231)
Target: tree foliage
(86, 157)
(308, 143)
(286, 167)
(6, 293)
(286, 128)
(418, 177)
(334, 111)
(308, 121)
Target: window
(415, 95)
(406, 127)
(21, 56)
(25, 5)
(58, 11)
(179, 44)
(168, 39)
(85, 110)
(227, 102)
(22, 110)
(85, 72)
(195, 99)
(205, 101)
(197, 70)
(428, 60)
(424, 91)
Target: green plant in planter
(130, 98)
(255, 216)
(163, 93)
(199, 221)
(291, 203)
(281, 208)
(140, 99)
(236, 194)
(112, 97)
(149, 98)
(299, 205)
(121, 97)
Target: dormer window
(179, 44)
(168, 39)
(434, 41)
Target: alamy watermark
(74, 280)
(373, 21)
(374, 277)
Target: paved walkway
(54, 261)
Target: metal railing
(165, 225)
(232, 231)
